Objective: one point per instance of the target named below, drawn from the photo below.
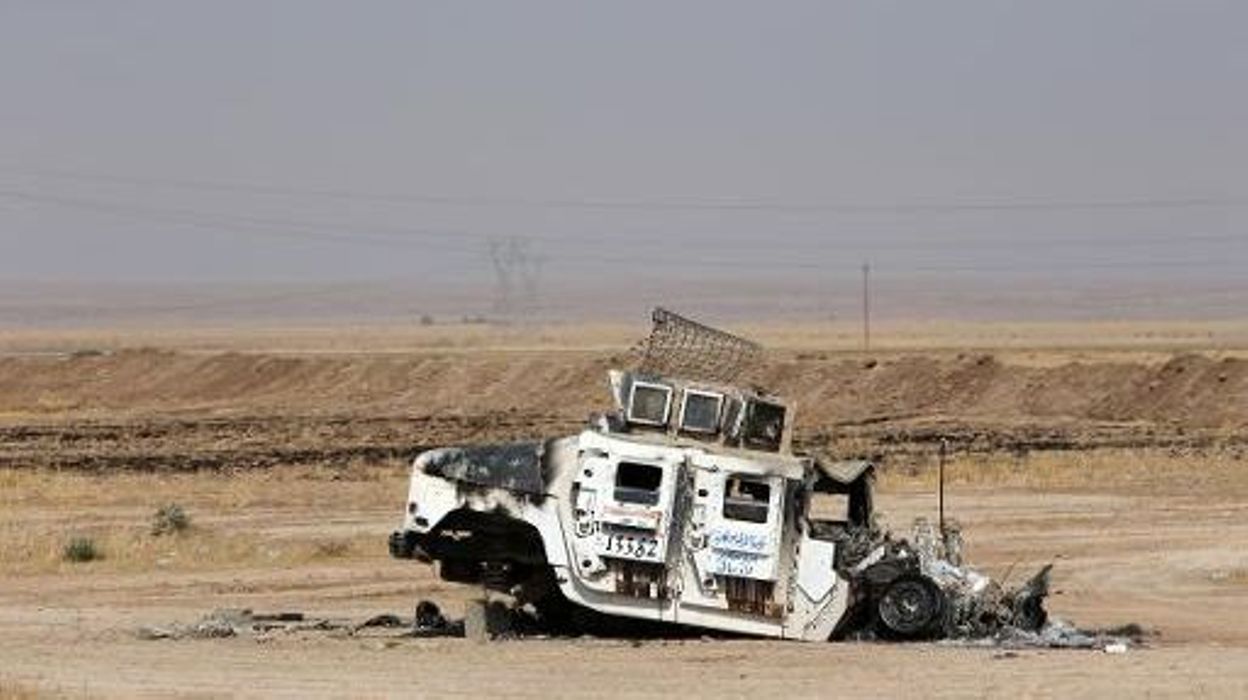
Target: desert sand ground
(1121, 460)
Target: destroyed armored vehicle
(687, 506)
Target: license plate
(632, 546)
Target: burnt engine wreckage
(686, 508)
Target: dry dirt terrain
(1122, 461)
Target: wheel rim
(908, 607)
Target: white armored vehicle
(685, 506)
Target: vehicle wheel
(910, 608)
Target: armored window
(745, 499)
(649, 404)
(700, 411)
(638, 483)
(764, 426)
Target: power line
(96, 310)
(353, 232)
(672, 204)
(392, 236)
(288, 228)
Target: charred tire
(911, 607)
(428, 618)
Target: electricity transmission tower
(517, 273)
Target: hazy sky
(1080, 143)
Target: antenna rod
(940, 485)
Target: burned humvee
(687, 506)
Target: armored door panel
(624, 497)
(734, 536)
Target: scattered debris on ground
(1055, 634)
(242, 622)
(520, 623)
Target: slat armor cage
(680, 347)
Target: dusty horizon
(892, 300)
(989, 161)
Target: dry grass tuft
(133, 550)
(356, 484)
(10, 690)
(843, 336)
(170, 519)
(333, 549)
(113, 512)
(1237, 576)
(79, 550)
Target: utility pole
(940, 486)
(866, 306)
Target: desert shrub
(332, 548)
(170, 519)
(13, 691)
(81, 549)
